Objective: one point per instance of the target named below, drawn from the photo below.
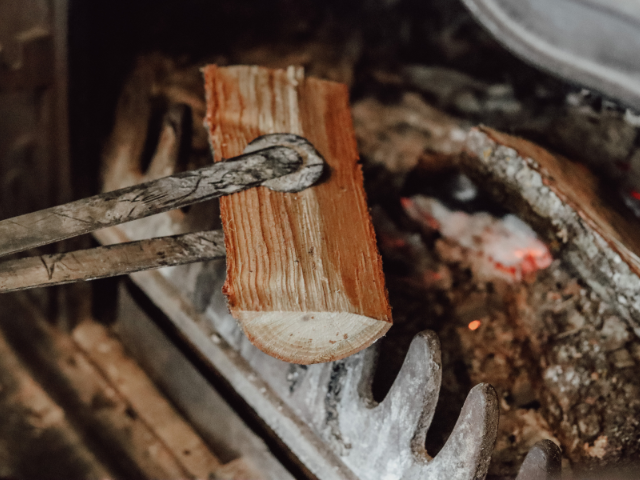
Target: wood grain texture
(304, 276)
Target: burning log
(304, 276)
(562, 200)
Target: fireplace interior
(149, 377)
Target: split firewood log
(304, 276)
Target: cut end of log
(310, 337)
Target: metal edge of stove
(594, 43)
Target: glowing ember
(475, 325)
(635, 194)
(419, 214)
(508, 244)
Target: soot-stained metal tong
(281, 162)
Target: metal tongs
(281, 162)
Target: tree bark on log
(563, 201)
(304, 276)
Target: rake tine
(541, 463)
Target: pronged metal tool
(281, 162)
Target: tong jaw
(307, 175)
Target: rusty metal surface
(34, 150)
(26, 44)
(78, 406)
(35, 433)
(191, 391)
(33, 136)
(63, 418)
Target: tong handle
(110, 260)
